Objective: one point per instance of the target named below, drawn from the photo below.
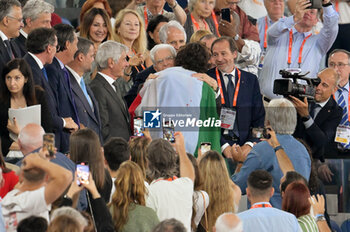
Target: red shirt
(10, 180)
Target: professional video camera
(296, 84)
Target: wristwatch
(236, 37)
(304, 119)
(277, 148)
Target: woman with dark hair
(153, 29)
(17, 91)
(96, 26)
(84, 147)
(128, 201)
(296, 201)
(89, 4)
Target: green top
(307, 223)
(140, 219)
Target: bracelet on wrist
(279, 147)
(173, 7)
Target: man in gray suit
(115, 118)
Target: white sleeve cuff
(223, 147)
(250, 144)
(64, 123)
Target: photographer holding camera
(318, 121)
(291, 43)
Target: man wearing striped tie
(318, 121)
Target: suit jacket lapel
(114, 95)
(63, 78)
(325, 112)
(3, 49)
(80, 94)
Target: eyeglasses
(168, 58)
(340, 65)
(20, 20)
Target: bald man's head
(228, 222)
(30, 138)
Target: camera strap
(290, 48)
(218, 79)
(197, 25)
(215, 22)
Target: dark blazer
(250, 108)
(115, 118)
(320, 135)
(20, 42)
(39, 79)
(87, 117)
(46, 120)
(61, 90)
(138, 82)
(4, 55)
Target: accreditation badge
(227, 117)
(343, 134)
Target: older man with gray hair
(228, 222)
(281, 116)
(173, 33)
(111, 62)
(36, 13)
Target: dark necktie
(115, 84)
(314, 110)
(66, 75)
(9, 49)
(341, 102)
(230, 89)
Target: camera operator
(318, 121)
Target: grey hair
(282, 116)
(163, 32)
(33, 8)
(191, 4)
(170, 225)
(339, 50)
(31, 135)
(83, 46)
(70, 212)
(6, 7)
(223, 225)
(106, 50)
(158, 47)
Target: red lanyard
(215, 22)
(265, 34)
(267, 205)
(197, 25)
(290, 48)
(236, 89)
(169, 179)
(146, 16)
(337, 5)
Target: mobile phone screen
(168, 132)
(205, 147)
(226, 14)
(83, 173)
(49, 143)
(138, 126)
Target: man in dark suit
(85, 101)
(59, 79)
(241, 101)
(36, 13)
(318, 123)
(41, 46)
(162, 56)
(115, 118)
(11, 22)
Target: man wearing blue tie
(85, 101)
(59, 79)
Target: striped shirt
(307, 223)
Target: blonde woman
(128, 208)
(224, 195)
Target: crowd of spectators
(219, 56)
